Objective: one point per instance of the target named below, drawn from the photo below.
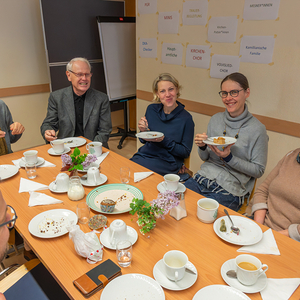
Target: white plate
(39, 162)
(101, 180)
(187, 281)
(51, 151)
(181, 188)
(51, 188)
(260, 284)
(73, 142)
(7, 171)
(54, 214)
(149, 135)
(104, 237)
(218, 291)
(133, 287)
(93, 164)
(250, 232)
(228, 141)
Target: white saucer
(181, 188)
(187, 281)
(51, 151)
(51, 188)
(260, 284)
(39, 162)
(93, 164)
(101, 180)
(104, 238)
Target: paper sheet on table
(45, 164)
(138, 176)
(29, 185)
(41, 199)
(101, 158)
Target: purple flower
(164, 203)
(66, 159)
(88, 160)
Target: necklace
(236, 136)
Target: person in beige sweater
(276, 202)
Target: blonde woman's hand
(199, 138)
(143, 124)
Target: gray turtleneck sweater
(249, 153)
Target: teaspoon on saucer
(231, 273)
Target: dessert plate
(73, 142)
(149, 135)
(228, 141)
(7, 171)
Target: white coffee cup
(94, 148)
(175, 262)
(171, 182)
(117, 231)
(247, 276)
(61, 182)
(207, 210)
(58, 146)
(30, 156)
(93, 176)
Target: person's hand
(157, 140)
(143, 124)
(220, 153)
(199, 138)
(16, 128)
(2, 297)
(2, 134)
(259, 216)
(50, 135)
(285, 232)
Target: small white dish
(181, 188)
(187, 281)
(104, 237)
(228, 141)
(73, 142)
(218, 291)
(260, 284)
(149, 135)
(7, 171)
(102, 179)
(39, 162)
(51, 188)
(93, 164)
(51, 151)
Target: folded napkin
(45, 164)
(280, 289)
(41, 199)
(138, 176)
(267, 245)
(101, 158)
(29, 185)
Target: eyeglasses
(298, 158)
(233, 93)
(12, 218)
(80, 75)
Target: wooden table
(198, 240)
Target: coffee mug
(94, 148)
(175, 262)
(93, 176)
(31, 156)
(117, 231)
(171, 182)
(249, 268)
(61, 182)
(207, 210)
(58, 146)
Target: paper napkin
(280, 289)
(29, 185)
(101, 158)
(45, 164)
(138, 176)
(41, 199)
(267, 245)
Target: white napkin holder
(179, 211)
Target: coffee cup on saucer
(117, 231)
(31, 157)
(58, 146)
(93, 176)
(62, 182)
(171, 182)
(94, 148)
(175, 262)
(207, 210)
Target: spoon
(231, 273)
(235, 229)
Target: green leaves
(77, 160)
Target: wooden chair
(245, 205)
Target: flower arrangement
(149, 212)
(77, 161)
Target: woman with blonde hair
(165, 154)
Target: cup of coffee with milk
(171, 182)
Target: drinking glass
(83, 213)
(124, 253)
(30, 170)
(125, 174)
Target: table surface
(198, 240)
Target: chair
(31, 281)
(245, 205)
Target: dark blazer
(61, 115)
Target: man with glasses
(78, 110)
